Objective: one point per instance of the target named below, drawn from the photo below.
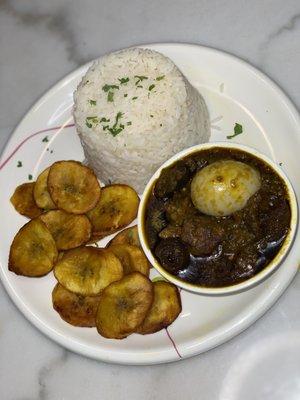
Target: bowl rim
(275, 263)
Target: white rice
(156, 121)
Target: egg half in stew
(224, 187)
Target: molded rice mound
(133, 110)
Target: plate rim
(168, 355)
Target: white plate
(234, 92)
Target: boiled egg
(224, 187)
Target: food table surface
(46, 40)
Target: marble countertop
(43, 40)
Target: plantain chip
(33, 251)
(41, 194)
(165, 308)
(88, 270)
(132, 258)
(73, 187)
(123, 306)
(116, 208)
(23, 201)
(68, 230)
(127, 236)
(73, 308)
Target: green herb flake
(92, 102)
(110, 97)
(103, 119)
(238, 129)
(134, 98)
(125, 94)
(160, 124)
(119, 115)
(30, 177)
(159, 78)
(151, 115)
(129, 123)
(89, 121)
(45, 140)
(280, 164)
(92, 118)
(151, 87)
(123, 80)
(117, 128)
(19, 165)
(140, 86)
(51, 151)
(107, 87)
(140, 78)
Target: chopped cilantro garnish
(30, 177)
(107, 87)
(104, 120)
(280, 163)
(89, 121)
(125, 95)
(45, 140)
(159, 78)
(151, 115)
(129, 123)
(140, 78)
(123, 80)
(116, 129)
(93, 119)
(238, 129)
(110, 97)
(160, 124)
(92, 102)
(140, 86)
(134, 98)
(119, 115)
(19, 165)
(151, 87)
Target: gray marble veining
(41, 41)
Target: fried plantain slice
(33, 251)
(165, 308)
(74, 308)
(23, 201)
(132, 258)
(88, 270)
(124, 305)
(68, 230)
(73, 187)
(41, 194)
(127, 236)
(116, 208)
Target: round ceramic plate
(235, 92)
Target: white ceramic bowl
(266, 271)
